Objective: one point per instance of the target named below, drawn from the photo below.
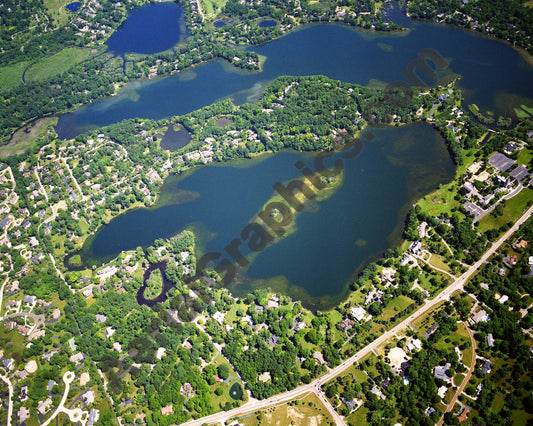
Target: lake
(334, 237)
(149, 29)
(492, 72)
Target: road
(466, 379)
(6, 380)
(331, 374)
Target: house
(464, 415)
(487, 367)
(522, 244)
(358, 313)
(259, 309)
(219, 317)
(441, 392)
(77, 357)
(490, 340)
(100, 318)
(109, 331)
(50, 386)
(272, 304)
(503, 299)
(414, 344)
(442, 372)
(166, 411)
(160, 352)
(479, 316)
(24, 414)
(429, 411)
(430, 331)
(94, 415)
(88, 397)
(23, 393)
(375, 390)
(347, 324)
(30, 300)
(44, 406)
(8, 364)
(273, 340)
(416, 247)
(187, 390)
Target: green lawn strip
(512, 209)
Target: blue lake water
(74, 6)
(492, 72)
(333, 239)
(149, 29)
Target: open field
(11, 75)
(395, 306)
(513, 208)
(57, 11)
(23, 138)
(438, 261)
(308, 411)
(58, 63)
(212, 8)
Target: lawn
(454, 339)
(439, 201)
(11, 75)
(58, 63)
(57, 11)
(512, 210)
(212, 8)
(395, 306)
(525, 156)
(359, 417)
(308, 411)
(438, 262)
(23, 138)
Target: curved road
(466, 379)
(315, 385)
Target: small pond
(267, 23)
(236, 391)
(175, 139)
(74, 6)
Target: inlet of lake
(336, 237)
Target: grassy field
(309, 411)
(57, 11)
(439, 201)
(438, 261)
(212, 8)
(11, 75)
(25, 137)
(396, 305)
(513, 208)
(454, 339)
(58, 63)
